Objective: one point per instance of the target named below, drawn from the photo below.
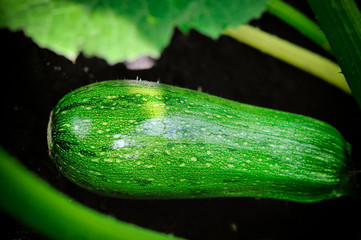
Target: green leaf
(341, 23)
(120, 30)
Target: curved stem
(33, 201)
(299, 21)
(290, 53)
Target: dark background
(34, 79)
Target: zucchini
(138, 139)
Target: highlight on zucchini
(138, 139)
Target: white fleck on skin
(194, 159)
(182, 180)
(108, 160)
(119, 144)
(104, 123)
(182, 165)
(81, 127)
(99, 131)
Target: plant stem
(290, 53)
(299, 21)
(341, 23)
(33, 201)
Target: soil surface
(34, 79)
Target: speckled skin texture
(137, 139)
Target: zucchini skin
(144, 140)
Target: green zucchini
(137, 139)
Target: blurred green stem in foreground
(34, 202)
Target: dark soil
(34, 79)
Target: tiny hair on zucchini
(144, 140)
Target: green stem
(33, 201)
(341, 23)
(290, 53)
(299, 21)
